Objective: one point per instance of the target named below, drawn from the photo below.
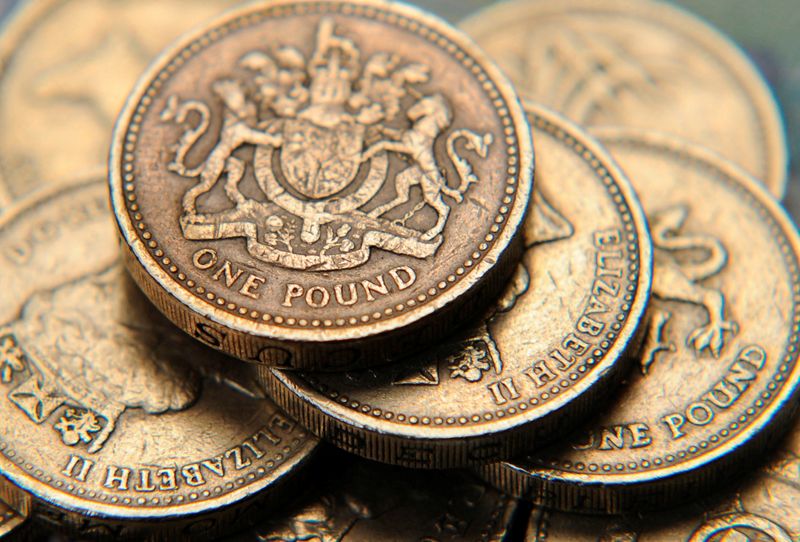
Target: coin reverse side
(542, 357)
(640, 64)
(363, 502)
(322, 184)
(763, 507)
(76, 61)
(114, 421)
(718, 373)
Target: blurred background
(766, 29)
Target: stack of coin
(357, 248)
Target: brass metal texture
(718, 372)
(538, 362)
(66, 67)
(359, 501)
(761, 508)
(118, 424)
(264, 175)
(640, 64)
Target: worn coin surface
(364, 501)
(114, 420)
(541, 357)
(641, 64)
(763, 508)
(322, 184)
(718, 372)
(66, 67)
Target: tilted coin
(66, 67)
(322, 184)
(763, 508)
(115, 421)
(641, 64)
(539, 359)
(718, 372)
(361, 501)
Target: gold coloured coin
(322, 184)
(762, 508)
(718, 373)
(366, 502)
(116, 422)
(66, 67)
(639, 64)
(543, 356)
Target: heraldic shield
(319, 162)
(310, 121)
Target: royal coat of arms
(324, 129)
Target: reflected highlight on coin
(366, 502)
(543, 356)
(718, 372)
(67, 66)
(763, 508)
(109, 412)
(296, 192)
(640, 64)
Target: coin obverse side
(265, 174)
(718, 370)
(362, 501)
(113, 420)
(763, 508)
(538, 361)
(639, 64)
(76, 61)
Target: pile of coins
(362, 286)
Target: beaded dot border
(520, 408)
(258, 472)
(788, 359)
(381, 15)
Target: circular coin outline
(325, 348)
(26, 488)
(332, 416)
(776, 154)
(613, 493)
(19, 21)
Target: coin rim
(461, 291)
(682, 21)
(612, 489)
(326, 412)
(31, 486)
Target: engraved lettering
(209, 335)
(404, 277)
(675, 422)
(375, 288)
(540, 374)
(318, 297)
(293, 291)
(503, 391)
(251, 286)
(231, 276)
(168, 479)
(205, 259)
(145, 483)
(239, 461)
(193, 475)
(352, 298)
(78, 468)
(117, 478)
